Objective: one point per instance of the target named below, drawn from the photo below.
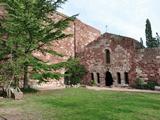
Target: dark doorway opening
(119, 77)
(66, 79)
(126, 78)
(92, 76)
(98, 78)
(109, 79)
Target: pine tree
(29, 28)
(150, 41)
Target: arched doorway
(109, 79)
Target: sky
(122, 17)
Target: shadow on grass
(29, 90)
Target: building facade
(117, 60)
(109, 59)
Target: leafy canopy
(26, 27)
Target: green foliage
(150, 41)
(158, 39)
(93, 82)
(140, 84)
(141, 42)
(74, 72)
(29, 90)
(151, 85)
(28, 27)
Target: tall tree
(29, 27)
(158, 39)
(141, 42)
(150, 41)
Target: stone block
(18, 95)
(157, 88)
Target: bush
(93, 82)
(74, 72)
(140, 84)
(151, 85)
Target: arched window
(107, 53)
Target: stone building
(82, 35)
(108, 58)
(121, 59)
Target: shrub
(93, 82)
(139, 83)
(74, 72)
(151, 85)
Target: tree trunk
(25, 82)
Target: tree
(150, 41)
(158, 39)
(29, 27)
(141, 42)
(74, 72)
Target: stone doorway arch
(108, 79)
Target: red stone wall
(82, 34)
(148, 64)
(121, 54)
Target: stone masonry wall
(81, 33)
(148, 64)
(84, 34)
(121, 57)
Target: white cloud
(124, 17)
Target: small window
(119, 77)
(98, 78)
(126, 78)
(107, 52)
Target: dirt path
(17, 114)
(121, 89)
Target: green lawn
(83, 104)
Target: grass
(83, 104)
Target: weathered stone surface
(157, 88)
(148, 62)
(18, 96)
(125, 57)
(121, 56)
(87, 43)
(82, 35)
